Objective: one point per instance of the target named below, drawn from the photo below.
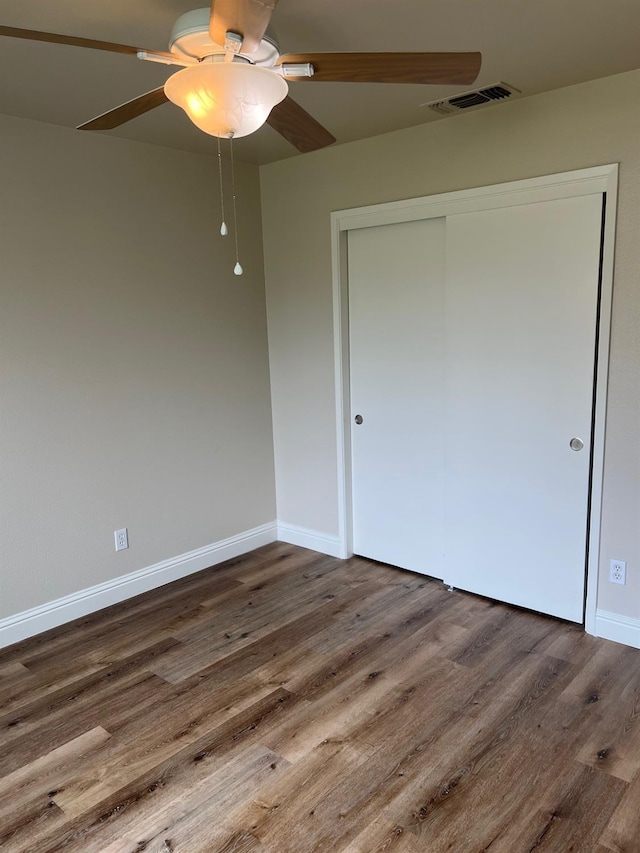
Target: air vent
(473, 99)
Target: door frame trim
(596, 180)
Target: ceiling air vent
(474, 98)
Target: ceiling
(534, 45)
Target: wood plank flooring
(287, 701)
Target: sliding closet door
(396, 303)
(521, 313)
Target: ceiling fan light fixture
(226, 99)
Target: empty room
(319, 418)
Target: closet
(472, 340)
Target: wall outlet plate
(618, 571)
(122, 539)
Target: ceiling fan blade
(298, 127)
(248, 18)
(432, 68)
(74, 41)
(125, 112)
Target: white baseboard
(609, 626)
(621, 629)
(312, 539)
(55, 613)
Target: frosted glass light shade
(226, 98)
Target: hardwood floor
(286, 701)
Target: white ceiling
(534, 45)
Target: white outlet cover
(618, 571)
(121, 538)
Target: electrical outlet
(122, 539)
(618, 571)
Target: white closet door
(521, 313)
(396, 301)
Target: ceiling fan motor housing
(190, 40)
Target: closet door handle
(576, 444)
(358, 419)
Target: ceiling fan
(234, 78)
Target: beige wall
(134, 383)
(587, 125)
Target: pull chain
(223, 227)
(237, 270)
